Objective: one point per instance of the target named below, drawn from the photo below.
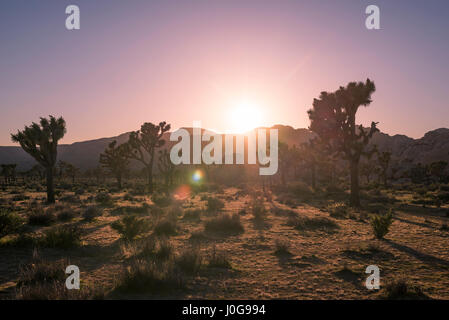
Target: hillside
(432, 147)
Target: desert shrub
(198, 236)
(91, 213)
(443, 196)
(401, 290)
(161, 200)
(287, 199)
(70, 198)
(137, 190)
(63, 237)
(218, 260)
(165, 227)
(312, 224)
(150, 277)
(10, 222)
(128, 197)
(79, 191)
(66, 215)
(45, 280)
(143, 209)
(129, 227)
(214, 204)
(190, 260)
(282, 247)
(381, 224)
(157, 249)
(192, 214)
(40, 217)
(155, 211)
(338, 210)
(258, 208)
(103, 197)
(225, 223)
(23, 240)
(20, 197)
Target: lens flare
(197, 176)
(182, 192)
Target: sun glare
(244, 116)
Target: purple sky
(136, 61)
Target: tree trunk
(313, 176)
(150, 178)
(50, 190)
(119, 180)
(355, 198)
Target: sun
(244, 116)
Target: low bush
(225, 224)
(91, 213)
(161, 200)
(10, 222)
(63, 237)
(381, 224)
(129, 227)
(312, 224)
(214, 204)
(40, 217)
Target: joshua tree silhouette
(114, 159)
(332, 118)
(41, 142)
(166, 167)
(143, 143)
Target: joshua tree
(142, 144)
(384, 162)
(71, 171)
(166, 167)
(367, 169)
(114, 159)
(332, 118)
(9, 172)
(41, 142)
(287, 158)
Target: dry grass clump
(258, 209)
(40, 217)
(224, 224)
(312, 224)
(282, 247)
(218, 260)
(130, 227)
(45, 280)
(63, 237)
(400, 289)
(91, 213)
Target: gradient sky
(180, 61)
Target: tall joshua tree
(114, 159)
(142, 144)
(41, 142)
(166, 168)
(332, 118)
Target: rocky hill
(433, 146)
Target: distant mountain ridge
(433, 146)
